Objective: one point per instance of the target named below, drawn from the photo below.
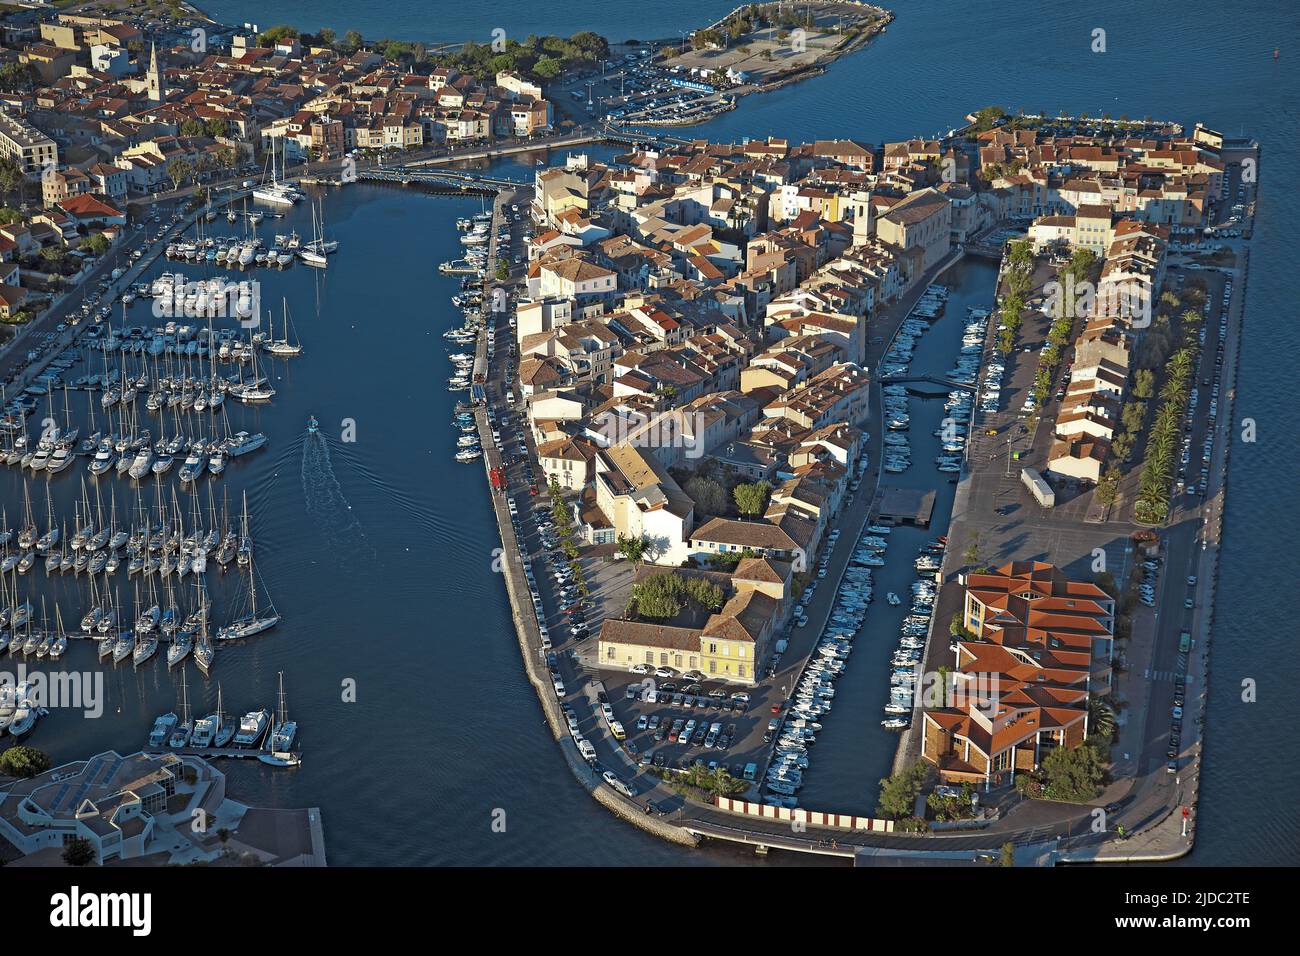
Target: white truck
(1038, 487)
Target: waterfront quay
(575, 687)
(656, 806)
(1152, 797)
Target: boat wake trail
(325, 501)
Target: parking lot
(631, 89)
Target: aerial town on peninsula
(951, 411)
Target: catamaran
(276, 192)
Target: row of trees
(564, 532)
(541, 57)
(1070, 276)
(698, 780)
(1153, 353)
(214, 127)
(1166, 432)
(1019, 273)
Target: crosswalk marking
(1148, 674)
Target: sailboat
(180, 737)
(283, 348)
(280, 740)
(251, 623)
(313, 251)
(60, 642)
(205, 651)
(320, 244)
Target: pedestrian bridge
(932, 379)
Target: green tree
(15, 77)
(22, 761)
(193, 127)
(987, 118)
(97, 244)
(751, 499)
(78, 852)
(898, 793)
(1101, 717)
(547, 68)
(972, 555)
(1072, 774)
(216, 127)
(352, 41)
(276, 34)
(658, 597)
(179, 170)
(633, 549)
(709, 496)
(1008, 855)
(11, 176)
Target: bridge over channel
(932, 379)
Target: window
(713, 667)
(649, 657)
(613, 652)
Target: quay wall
(529, 637)
(528, 634)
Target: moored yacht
(251, 728)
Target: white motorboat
(251, 728)
(242, 443)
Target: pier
(211, 753)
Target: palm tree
(1101, 717)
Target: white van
(586, 749)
